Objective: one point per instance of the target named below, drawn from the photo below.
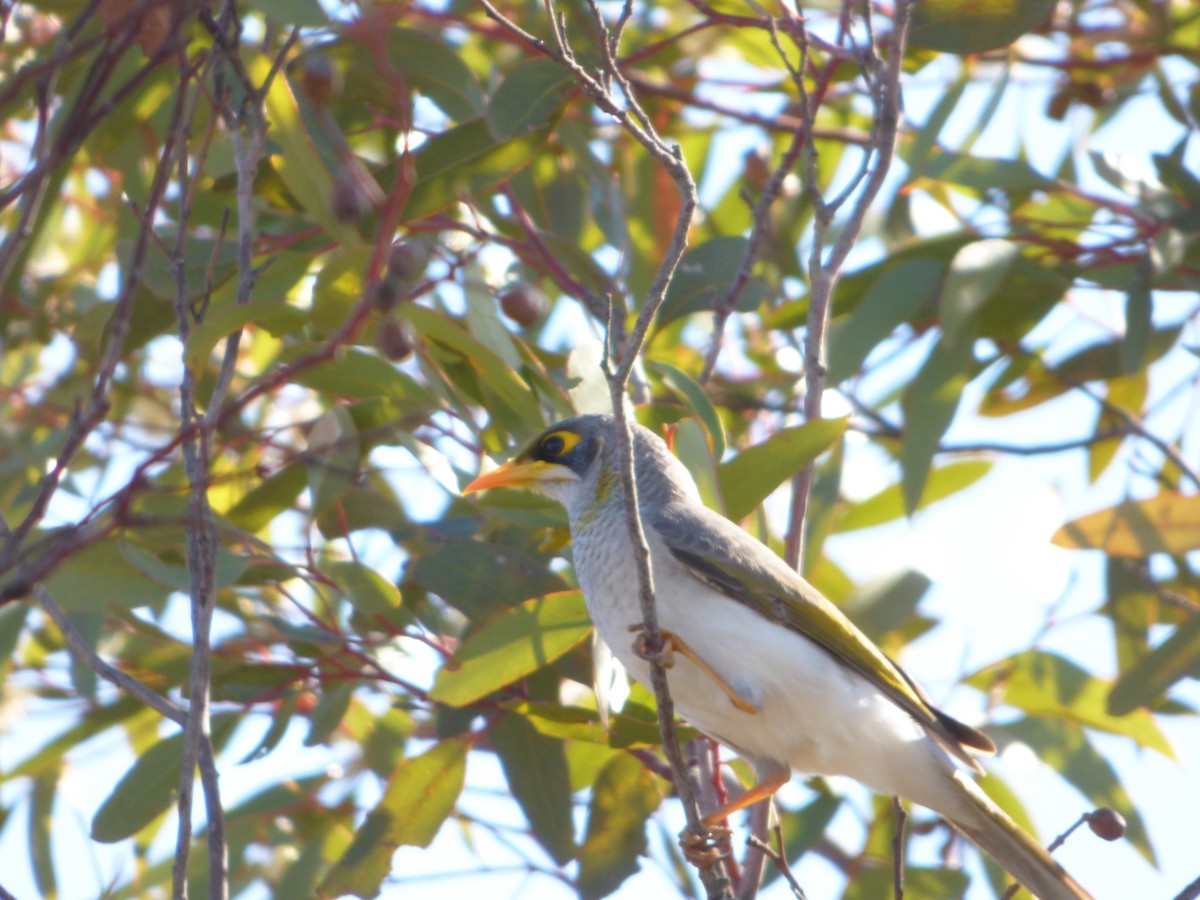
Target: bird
(759, 659)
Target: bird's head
(574, 462)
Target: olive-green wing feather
(719, 553)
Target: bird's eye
(553, 445)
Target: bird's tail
(985, 824)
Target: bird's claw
(664, 656)
(704, 849)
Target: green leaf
(419, 796)
(463, 161)
(705, 275)
(95, 722)
(366, 589)
(982, 174)
(497, 377)
(876, 881)
(894, 297)
(751, 476)
(512, 645)
(535, 767)
(1166, 523)
(299, 13)
(299, 166)
(356, 374)
(930, 402)
(100, 575)
(1066, 749)
(888, 504)
(148, 788)
(41, 828)
(1050, 686)
(528, 99)
(975, 273)
(435, 69)
(694, 397)
(327, 715)
(274, 316)
(1146, 682)
(956, 27)
(479, 579)
(12, 622)
(624, 796)
(1139, 315)
(269, 498)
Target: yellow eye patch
(559, 443)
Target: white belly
(814, 714)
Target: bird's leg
(673, 643)
(768, 784)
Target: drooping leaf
(535, 767)
(422, 792)
(272, 316)
(930, 402)
(100, 575)
(1166, 523)
(512, 645)
(1175, 658)
(692, 394)
(751, 476)
(149, 787)
(624, 795)
(481, 580)
(975, 273)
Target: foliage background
(202, 417)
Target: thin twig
(898, 849)
(90, 658)
(825, 268)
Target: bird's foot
(672, 644)
(705, 848)
(664, 656)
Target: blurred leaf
(327, 715)
(301, 13)
(100, 575)
(876, 881)
(954, 27)
(481, 579)
(535, 767)
(300, 166)
(465, 160)
(803, 827)
(751, 476)
(369, 591)
(149, 787)
(1175, 658)
(705, 275)
(269, 498)
(501, 381)
(1139, 315)
(41, 828)
(275, 317)
(975, 273)
(357, 374)
(930, 402)
(624, 796)
(420, 795)
(528, 99)
(1166, 523)
(512, 645)
(696, 400)
(892, 299)
(1066, 749)
(1049, 686)
(888, 504)
(982, 174)
(435, 69)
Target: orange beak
(521, 475)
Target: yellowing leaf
(1167, 523)
(515, 643)
(418, 798)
